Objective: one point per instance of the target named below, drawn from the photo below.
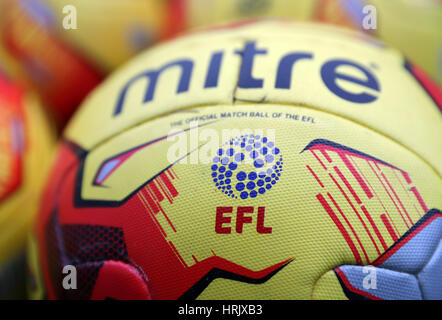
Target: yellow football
(262, 160)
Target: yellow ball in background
(412, 26)
(415, 28)
(26, 145)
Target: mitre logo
(348, 80)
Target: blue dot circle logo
(247, 166)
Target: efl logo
(245, 167)
(223, 221)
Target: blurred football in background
(63, 65)
(26, 141)
(413, 26)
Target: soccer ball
(26, 141)
(413, 26)
(261, 160)
(63, 49)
